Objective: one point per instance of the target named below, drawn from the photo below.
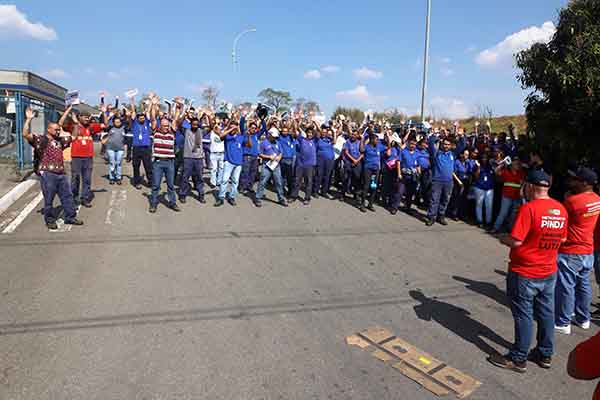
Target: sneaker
(442, 221)
(138, 186)
(328, 196)
(584, 325)
(565, 330)
(175, 208)
(362, 209)
(120, 182)
(219, 203)
(86, 204)
(202, 200)
(393, 211)
(111, 182)
(292, 200)
(306, 202)
(258, 203)
(370, 207)
(505, 362)
(543, 362)
(429, 222)
(232, 202)
(283, 203)
(152, 209)
(182, 200)
(315, 195)
(52, 226)
(76, 222)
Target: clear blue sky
(176, 47)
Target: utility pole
(425, 61)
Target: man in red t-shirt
(576, 255)
(583, 362)
(82, 155)
(512, 178)
(539, 230)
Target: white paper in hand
(131, 93)
(72, 98)
(272, 164)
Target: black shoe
(362, 209)
(328, 196)
(481, 226)
(342, 197)
(219, 203)
(258, 203)
(429, 222)
(152, 209)
(111, 182)
(86, 204)
(306, 202)
(315, 195)
(293, 200)
(370, 207)
(442, 221)
(182, 200)
(175, 207)
(536, 357)
(52, 226)
(394, 211)
(232, 202)
(202, 200)
(138, 186)
(595, 316)
(283, 203)
(505, 362)
(120, 182)
(75, 221)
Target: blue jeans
(265, 175)
(115, 157)
(160, 168)
(216, 168)
(192, 167)
(230, 171)
(249, 170)
(597, 266)
(81, 173)
(53, 184)
(531, 299)
(573, 288)
(508, 207)
(440, 197)
(484, 198)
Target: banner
(72, 98)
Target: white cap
(274, 132)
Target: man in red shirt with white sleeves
(539, 230)
(82, 155)
(576, 255)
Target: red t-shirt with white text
(541, 225)
(83, 146)
(583, 209)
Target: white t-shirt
(216, 144)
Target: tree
(563, 107)
(210, 94)
(351, 114)
(278, 99)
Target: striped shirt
(163, 145)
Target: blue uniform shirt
(353, 148)
(485, 181)
(373, 156)
(423, 159)
(233, 149)
(269, 149)
(141, 133)
(288, 146)
(325, 148)
(307, 152)
(408, 159)
(462, 169)
(443, 163)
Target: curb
(15, 194)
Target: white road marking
(116, 206)
(23, 214)
(8, 218)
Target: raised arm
(63, 118)
(29, 116)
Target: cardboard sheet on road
(419, 366)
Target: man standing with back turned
(537, 234)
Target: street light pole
(235, 41)
(426, 61)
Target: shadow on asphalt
(458, 321)
(485, 288)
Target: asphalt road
(246, 303)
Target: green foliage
(563, 108)
(352, 114)
(278, 99)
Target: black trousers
(142, 154)
(368, 193)
(304, 174)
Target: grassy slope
(499, 124)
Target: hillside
(499, 124)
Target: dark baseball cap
(587, 175)
(538, 178)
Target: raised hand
(29, 113)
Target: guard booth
(19, 90)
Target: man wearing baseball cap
(271, 154)
(576, 255)
(539, 230)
